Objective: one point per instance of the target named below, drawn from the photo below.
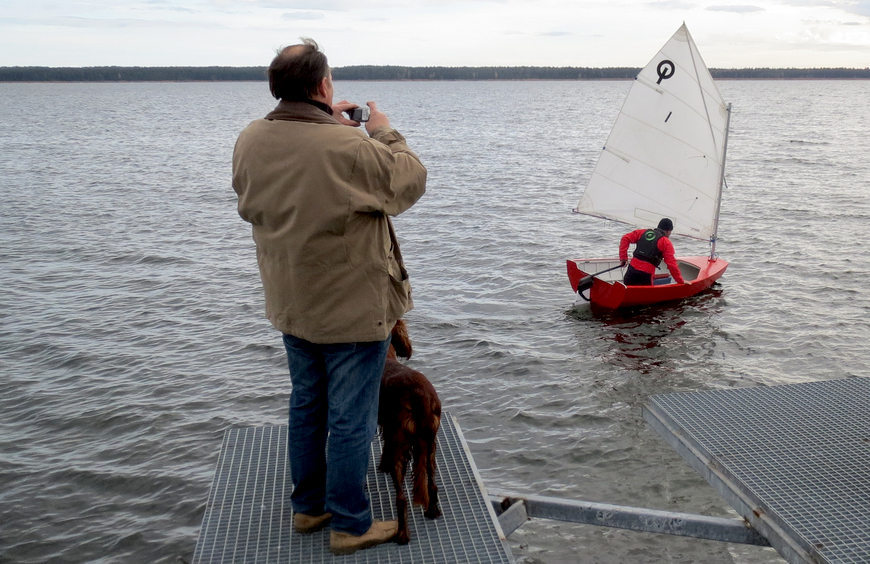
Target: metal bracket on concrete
(513, 510)
(511, 517)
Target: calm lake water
(132, 333)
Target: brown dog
(409, 414)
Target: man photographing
(318, 193)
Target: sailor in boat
(651, 247)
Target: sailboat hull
(609, 292)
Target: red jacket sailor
(651, 247)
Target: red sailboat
(665, 157)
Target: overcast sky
(581, 33)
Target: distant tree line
(481, 73)
(372, 72)
(787, 74)
(130, 74)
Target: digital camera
(359, 114)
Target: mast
(721, 183)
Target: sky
(558, 33)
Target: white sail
(665, 154)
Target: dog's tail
(400, 340)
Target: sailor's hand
(686, 282)
(623, 262)
(343, 106)
(376, 119)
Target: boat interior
(600, 265)
(689, 271)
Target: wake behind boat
(665, 157)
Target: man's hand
(343, 106)
(623, 262)
(376, 119)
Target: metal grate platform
(248, 518)
(794, 460)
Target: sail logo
(665, 70)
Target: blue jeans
(333, 419)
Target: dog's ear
(400, 339)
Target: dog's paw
(433, 512)
(402, 537)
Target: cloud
(732, 33)
(862, 8)
(736, 9)
(303, 16)
(353, 5)
(166, 5)
(322, 5)
(672, 5)
(536, 33)
(108, 23)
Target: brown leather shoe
(346, 543)
(309, 524)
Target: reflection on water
(655, 340)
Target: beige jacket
(318, 195)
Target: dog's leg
(421, 471)
(400, 463)
(388, 454)
(432, 511)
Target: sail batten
(665, 153)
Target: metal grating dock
(248, 518)
(794, 460)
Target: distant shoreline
(397, 73)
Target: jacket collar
(310, 111)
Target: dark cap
(666, 224)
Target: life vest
(647, 247)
